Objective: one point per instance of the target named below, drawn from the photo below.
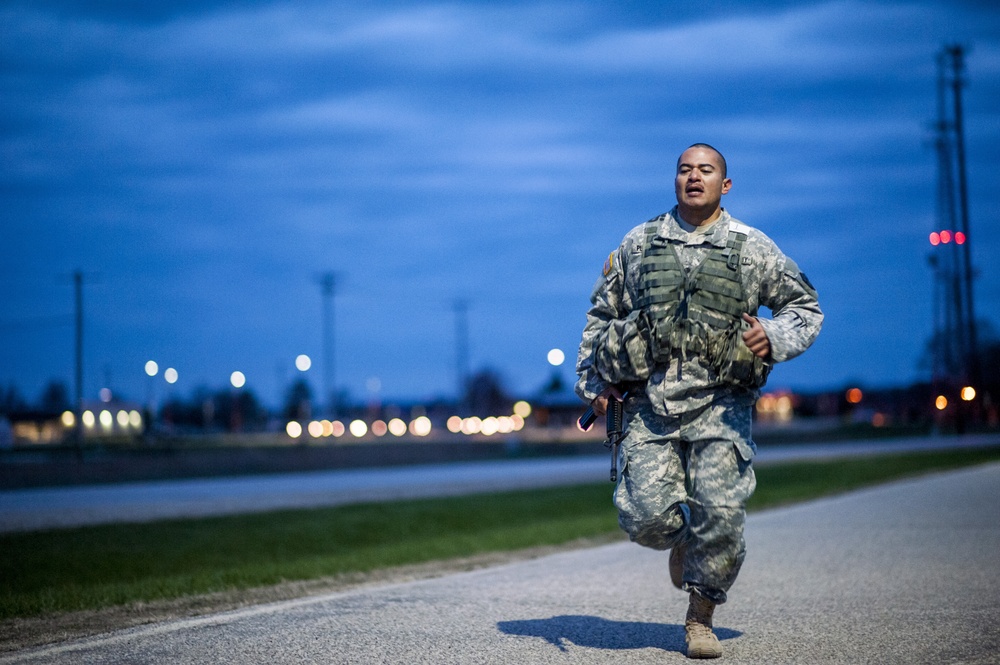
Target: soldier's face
(700, 183)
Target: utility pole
(956, 355)
(950, 352)
(78, 375)
(328, 285)
(461, 308)
(957, 55)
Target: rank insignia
(609, 264)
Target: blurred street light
(303, 363)
(358, 428)
(238, 379)
(397, 427)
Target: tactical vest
(698, 311)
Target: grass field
(102, 566)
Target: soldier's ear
(727, 184)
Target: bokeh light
(238, 379)
(397, 427)
(472, 425)
(358, 428)
(420, 426)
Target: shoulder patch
(609, 264)
(792, 270)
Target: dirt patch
(18, 634)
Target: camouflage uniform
(686, 459)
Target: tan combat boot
(701, 641)
(676, 565)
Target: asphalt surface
(44, 508)
(903, 573)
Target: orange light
(968, 393)
(941, 403)
(854, 396)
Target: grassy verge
(103, 566)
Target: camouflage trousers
(686, 480)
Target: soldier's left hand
(755, 338)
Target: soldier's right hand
(600, 403)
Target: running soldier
(673, 326)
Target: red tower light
(935, 238)
(946, 237)
(959, 237)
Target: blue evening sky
(204, 162)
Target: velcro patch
(609, 264)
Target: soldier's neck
(704, 227)
(697, 218)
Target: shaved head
(722, 160)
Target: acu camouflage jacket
(615, 347)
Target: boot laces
(699, 631)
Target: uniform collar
(671, 229)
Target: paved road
(32, 509)
(904, 573)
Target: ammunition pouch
(698, 313)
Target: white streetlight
(556, 357)
(152, 368)
(303, 362)
(238, 379)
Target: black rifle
(615, 428)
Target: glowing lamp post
(238, 380)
